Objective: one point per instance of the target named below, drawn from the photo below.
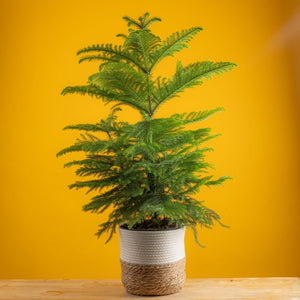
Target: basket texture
(152, 262)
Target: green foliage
(175, 43)
(150, 171)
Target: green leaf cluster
(150, 170)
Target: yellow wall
(44, 233)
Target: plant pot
(152, 261)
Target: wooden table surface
(208, 289)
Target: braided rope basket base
(146, 280)
(152, 262)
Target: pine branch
(105, 95)
(86, 146)
(174, 43)
(116, 52)
(142, 42)
(88, 90)
(85, 127)
(142, 22)
(187, 78)
(218, 181)
(194, 117)
(97, 57)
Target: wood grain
(208, 289)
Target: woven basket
(152, 262)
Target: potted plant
(148, 172)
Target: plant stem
(149, 96)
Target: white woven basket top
(152, 247)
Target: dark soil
(152, 225)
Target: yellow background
(44, 233)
